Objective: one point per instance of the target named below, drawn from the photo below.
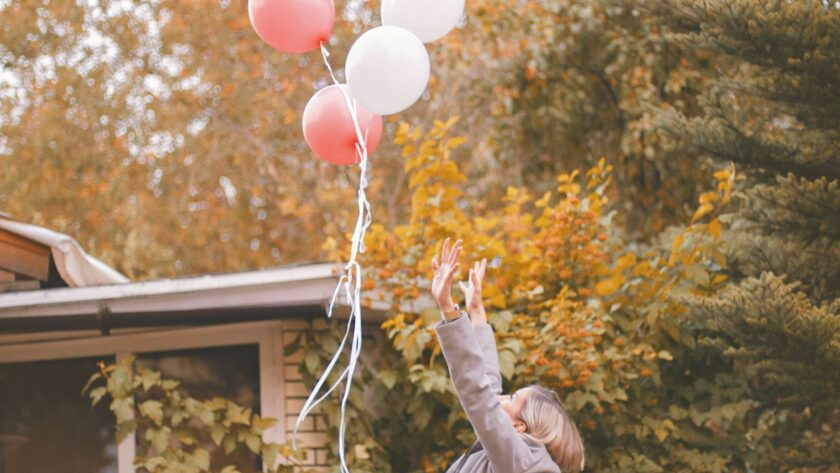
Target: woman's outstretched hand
(472, 292)
(444, 270)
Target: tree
(778, 115)
(173, 130)
(166, 140)
(563, 83)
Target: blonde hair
(549, 424)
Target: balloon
(292, 26)
(428, 19)
(387, 69)
(328, 126)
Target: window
(242, 362)
(45, 421)
(229, 372)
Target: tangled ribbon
(351, 281)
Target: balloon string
(350, 281)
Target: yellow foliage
(609, 286)
(559, 284)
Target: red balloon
(329, 130)
(292, 26)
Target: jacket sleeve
(505, 448)
(487, 342)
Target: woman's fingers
(448, 263)
(445, 252)
(483, 267)
(455, 253)
(464, 287)
(448, 275)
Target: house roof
(297, 291)
(76, 268)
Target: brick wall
(312, 434)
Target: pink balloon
(328, 126)
(292, 26)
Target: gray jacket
(470, 352)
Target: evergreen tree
(775, 112)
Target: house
(62, 311)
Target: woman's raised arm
(505, 447)
(483, 331)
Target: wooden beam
(19, 286)
(23, 256)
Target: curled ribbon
(351, 282)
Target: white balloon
(387, 69)
(428, 19)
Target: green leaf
(186, 437)
(153, 464)
(502, 320)
(170, 384)
(507, 363)
(253, 442)
(261, 424)
(421, 412)
(312, 361)
(236, 415)
(124, 429)
(193, 407)
(149, 378)
(178, 416)
(123, 409)
(96, 395)
(513, 344)
(153, 410)
(661, 433)
(120, 383)
(229, 444)
(677, 413)
(217, 434)
(576, 399)
(160, 438)
(388, 378)
(201, 459)
(270, 453)
(208, 417)
(90, 381)
(216, 403)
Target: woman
(525, 432)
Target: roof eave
(302, 291)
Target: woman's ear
(520, 426)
